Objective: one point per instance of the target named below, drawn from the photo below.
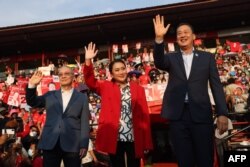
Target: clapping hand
(90, 52)
(36, 78)
(160, 29)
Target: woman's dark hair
(115, 61)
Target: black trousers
(53, 158)
(89, 164)
(118, 160)
(193, 143)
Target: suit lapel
(72, 100)
(58, 95)
(181, 63)
(194, 63)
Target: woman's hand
(90, 52)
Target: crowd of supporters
(22, 125)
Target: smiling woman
(124, 125)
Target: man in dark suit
(65, 134)
(186, 101)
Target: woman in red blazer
(124, 125)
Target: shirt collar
(182, 52)
(67, 91)
(127, 85)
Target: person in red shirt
(41, 120)
(134, 79)
(144, 79)
(124, 125)
(34, 116)
(219, 60)
(147, 67)
(130, 58)
(35, 155)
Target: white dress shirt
(187, 60)
(66, 95)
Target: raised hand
(36, 78)
(90, 52)
(160, 29)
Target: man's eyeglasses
(67, 74)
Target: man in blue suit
(65, 135)
(186, 101)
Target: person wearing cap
(65, 135)
(186, 102)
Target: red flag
(197, 42)
(234, 46)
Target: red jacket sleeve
(90, 80)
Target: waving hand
(160, 29)
(90, 52)
(36, 78)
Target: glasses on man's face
(67, 74)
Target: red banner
(115, 48)
(22, 84)
(14, 99)
(154, 94)
(125, 48)
(48, 83)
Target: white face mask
(30, 152)
(33, 134)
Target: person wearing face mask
(32, 137)
(35, 155)
(124, 125)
